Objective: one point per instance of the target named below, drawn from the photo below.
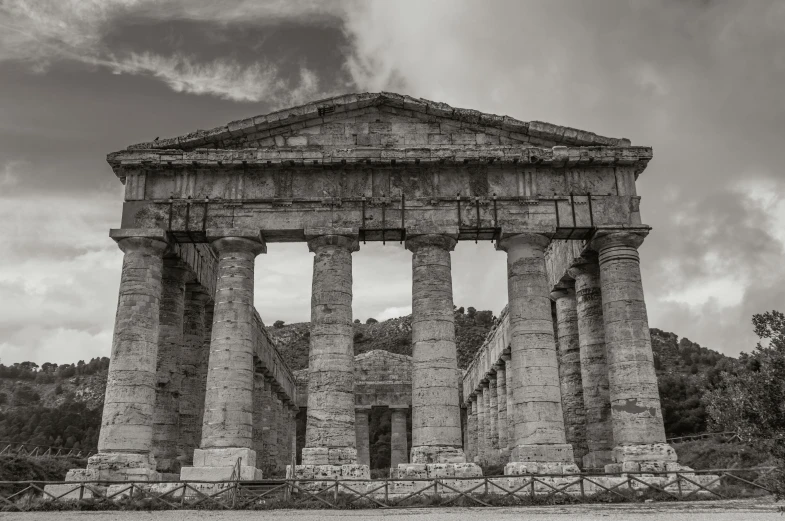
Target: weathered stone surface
(330, 433)
(193, 370)
(594, 364)
(511, 410)
(125, 441)
(227, 426)
(362, 430)
(166, 415)
(493, 420)
(634, 396)
(471, 425)
(539, 420)
(436, 420)
(483, 399)
(501, 400)
(570, 371)
(399, 450)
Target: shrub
(278, 324)
(371, 321)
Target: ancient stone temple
(196, 388)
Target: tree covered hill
(61, 405)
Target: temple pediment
(380, 120)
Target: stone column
(570, 371)
(493, 419)
(194, 357)
(436, 415)
(227, 427)
(638, 431)
(482, 425)
(508, 373)
(126, 439)
(362, 430)
(260, 419)
(471, 429)
(166, 416)
(487, 444)
(330, 433)
(501, 401)
(540, 442)
(399, 446)
(594, 365)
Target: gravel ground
(743, 510)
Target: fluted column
(166, 417)
(493, 419)
(126, 438)
(471, 426)
(508, 373)
(260, 421)
(482, 424)
(594, 365)
(399, 444)
(539, 422)
(194, 356)
(638, 430)
(227, 426)
(436, 415)
(362, 430)
(501, 404)
(487, 443)
(570, 371)
(330, 433)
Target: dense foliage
(48, 373)
(751, 400)
(72, 425)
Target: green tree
(751, 401)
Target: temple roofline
(326, 109)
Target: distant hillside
(393, 335)
(61, 405)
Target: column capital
(154, 241)
(362, 408)
(506, 357)
(533, 241)
(604, 239)
(590, 267)
(444, 242)
(237, 240)
(559, 293)
(347, 242)
(499, 366)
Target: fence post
(386, 492)
(583, 491)
(678, 484)
(335, 493)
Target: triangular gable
(380, 119)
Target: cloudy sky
(701, 81)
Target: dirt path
(746, 510)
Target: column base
(649, 457)
(220, 464)
(335, 456)
(597, 459)
(437, 454)
(436, 470)
(541, 459)
(117, 466)
(351, 471)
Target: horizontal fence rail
(725, 437)
(18, 448)
(387, 493)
